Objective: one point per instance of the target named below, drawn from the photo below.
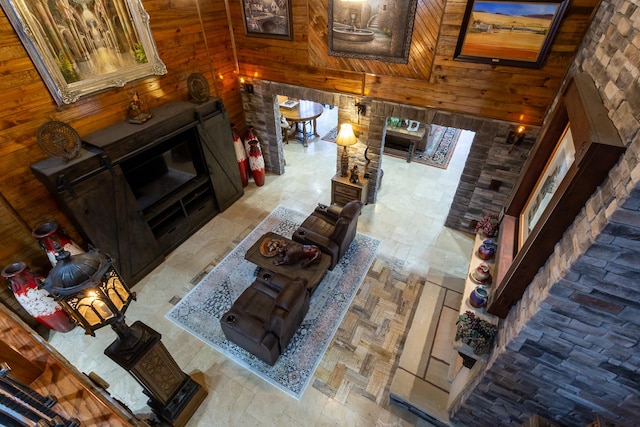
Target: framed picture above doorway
(504, 32)
(371, 29)
(268, 18)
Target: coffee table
(312, 273)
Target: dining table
(300, 115)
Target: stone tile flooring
(408, 216)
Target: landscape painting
(509, 33)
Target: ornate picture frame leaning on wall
(82, 47)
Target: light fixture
(345, 138)
(246, 85)
(516, 137)
(90, 290)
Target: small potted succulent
(475, 332)
(488, 225)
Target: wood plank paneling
(196, 36)
(191, 36)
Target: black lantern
(89, 288)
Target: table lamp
(345, 138)
(90, 290)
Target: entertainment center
(136, 191)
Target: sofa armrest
(330, 213)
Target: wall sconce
(362, 108)
(90, 290)
(246, 86)
(516, 137)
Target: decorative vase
(241, 156)
(478, 297)
(487, 250)
(36, 301)
(48, 235)
(256, 161)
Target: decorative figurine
(137, 110)
(354, 175)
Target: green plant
(488, 225)
(475, 332)
(138, 50)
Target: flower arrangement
(488, 225)
(475, 332)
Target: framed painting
(371, 29)
(548, 183)
(514, 33)
(268, 18)
(84, 47)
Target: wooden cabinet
(138, 190)
(343, 191)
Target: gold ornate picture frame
(83, 47)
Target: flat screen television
(163, 169)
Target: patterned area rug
(331, 135)
(439, 149)
(200, 310)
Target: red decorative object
(36, 301)
(48, 235)
(256, 161)
(241, 155)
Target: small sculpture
(292, 254)
(137, 110)
(354, 175)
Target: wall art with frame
(504, 32)
(85, 46)
(371, 29)
(268, 18)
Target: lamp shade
(346, 137)
(88, 287)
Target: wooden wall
(191, 36)
(430, 78)
(195, 36)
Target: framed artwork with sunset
(513, 33)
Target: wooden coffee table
(312, 273)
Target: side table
(343, 191)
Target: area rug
(439, 149)
(331, 135)
(200, 310)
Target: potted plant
(475, 332)
(488, 225)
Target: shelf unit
(469, 286)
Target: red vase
(256, 161)
(241, 156)
(48, 235)
(36, 301)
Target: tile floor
(408, 216)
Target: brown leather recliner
(332, 228)
(264, 318)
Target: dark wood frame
(402, 22)
(598, 148)
(507, 57)
(263, 31)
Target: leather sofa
(266, 315)
(331, 228)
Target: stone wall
(489, 175)
(570, 350)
